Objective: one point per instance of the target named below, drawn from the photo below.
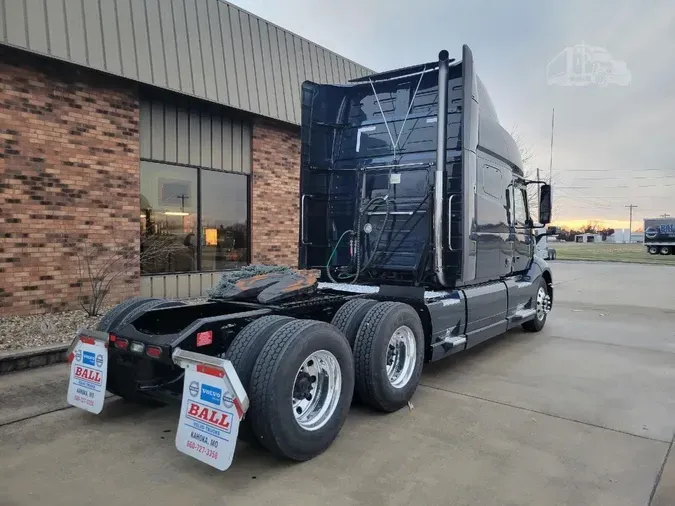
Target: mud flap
(88, 359)
(214, 403)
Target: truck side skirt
(475, 314)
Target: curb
(32, 357)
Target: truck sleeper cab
(415, 243)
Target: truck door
(523, 242)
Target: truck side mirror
(545, 204)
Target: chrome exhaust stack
(442, 142)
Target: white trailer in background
(659, 236)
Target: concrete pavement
(582, 413)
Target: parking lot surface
(582, 413)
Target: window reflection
(224, 221)
(168, 218)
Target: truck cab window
(520, 206)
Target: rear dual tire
(301, 389)
(388, 356)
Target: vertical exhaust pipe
(442, 143)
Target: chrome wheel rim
(543, 303)
(401, 356)
(316, 390)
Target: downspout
(441, 148)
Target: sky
(613, 146)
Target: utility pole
(630, 226)
(664, 215)
(538, 189)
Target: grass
(608, 252)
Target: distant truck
(542, 250)
(660, 236)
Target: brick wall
(275, 210)
(69, 156)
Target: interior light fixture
(176, 213)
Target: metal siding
(218, 56)
(146, 286)
(345, 71)
(94, 37)
(56, 28)
(285, 70)
(297, 78)
(128, 45)
(217, 142)
(307, 61)
(195, 140)
(3, 21)
(171, 286)
(157, 54)
(205, 136)
(157, 135)
(228, 159)
(195, 285)
(249, 64)
(229, 54)
(246, 136)
(170, 133)
(37, 26)
(183, 140)
(326, 63)
(193, 45)
(273, 73)
(143, 60)
(236, 147)
(206, 50)
(336, 70)
(184, 64)
(258, 64)
(145, 129)
(292, 75)
(111, 43)
(316, 75)
(16, 23)
(169, 42)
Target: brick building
(157, 140)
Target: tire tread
(363, 350)
(343, 318)
(261, 380)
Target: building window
(188, 225)
(224, 220)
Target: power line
(625, 177)
(620, 186)
(615, 170)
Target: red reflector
(112, 338)
(204, 338)
(153, 351)
(71, 357)
(122, 344)
(87, 340)
(210, 370)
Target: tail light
(121, 344)
(153, 351)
